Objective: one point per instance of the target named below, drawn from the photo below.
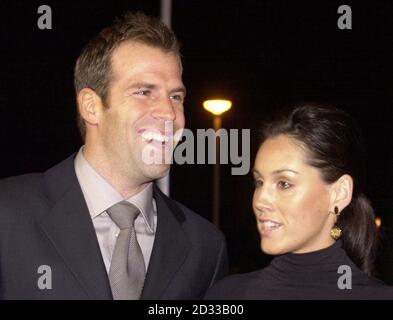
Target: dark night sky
(260, 54)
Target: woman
(311, 212)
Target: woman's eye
(258, 183)
(284, 184)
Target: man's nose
(164, 110)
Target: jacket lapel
(69, 227)
(170, 249)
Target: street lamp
(378, 222)
(217, 107)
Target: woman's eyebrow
(284, 170)
(275, 172)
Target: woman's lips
(268, 227)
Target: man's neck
(123, 184)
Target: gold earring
(336, 232)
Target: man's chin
(157, 171)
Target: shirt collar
(101, 195)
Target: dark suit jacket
(44, 220)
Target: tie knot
(123, 214)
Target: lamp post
(217, 107)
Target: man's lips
(156, 135)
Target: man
(60, 231)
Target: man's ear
(342, 192)
(89, 105)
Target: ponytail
(360, 234)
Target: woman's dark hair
(334, 145)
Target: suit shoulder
(197, 221)
(232, 287)
(19, 194)
(20, 185)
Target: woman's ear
(89, 106)
(342, 192)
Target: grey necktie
(127, 270)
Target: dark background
(259, 54)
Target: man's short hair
(93, 68)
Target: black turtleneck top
(311, 275)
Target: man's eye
(258, 183)
(284, 184)
(177, 97)
(143, 92)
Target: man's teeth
(149, 136)
(269, 225)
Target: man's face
(146, 95)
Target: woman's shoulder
(232, 287)
(263, 285)
(375, 289)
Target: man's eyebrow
(180, 89)
(142, 85)
(151, 86)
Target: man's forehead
(141, 61)
(137, 49)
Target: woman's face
(291, 202)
